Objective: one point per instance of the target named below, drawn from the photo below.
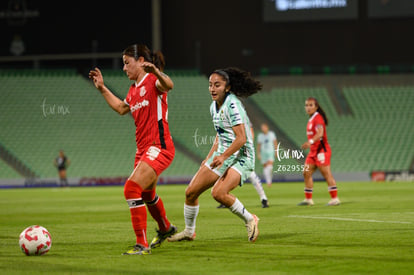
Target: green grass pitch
(372, 231)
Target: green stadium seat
(378, 135)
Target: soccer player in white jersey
(256, 182)
(231, 158)
(266, 150)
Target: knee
(149, 196)
(190, 195)
(217, 194)
(132, 190)
(307, 173)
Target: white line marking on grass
(345, 219)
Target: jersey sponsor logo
(143, 91)
(309, 133)
(139, 105)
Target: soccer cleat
(265, 204)
(306, 202)
(252, 228)
(138, 250)
(182, 236)
(333, 202)
(162, 236)
(221, 206)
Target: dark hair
(241, 82)
(137, 50)
(319, 109)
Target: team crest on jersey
(222, 115)
(143, 91)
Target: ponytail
(138, 50)
(319, 109)
(323, 114)
(158, 60)
(241, 83)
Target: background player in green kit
(231, 158)
(266, 151)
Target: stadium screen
(309, 10)
(390, 8)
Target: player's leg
(62, 177)
(221, 193)
(255, 180)
(332, 188)
(268, 172)
(141, 178)
(156, 208)
(308, 171)
(202, 180)
(158, 160)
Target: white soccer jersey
(266, 142)
(230, 114)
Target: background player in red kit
(147, 102)
(320, 152)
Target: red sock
(132, 193)
(156, 209)
(308, 193)
(333, 191)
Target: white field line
(345, 219)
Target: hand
(149, 67)
(306, 145)
(217, 162)
(97, 78)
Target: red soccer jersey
(315, 121)
(149, 109)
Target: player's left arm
(275, 143)
(238, 142)
(316, 137)
(164, 82)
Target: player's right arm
(212, 150)
(275, 143)
(113, 101)
(259, 144)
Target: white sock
(238, 209)
(190, 216)
(258, 185)
(267, 171)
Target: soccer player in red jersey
(320, 152)
(147, 103)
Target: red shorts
(159, 159)
(320, 158)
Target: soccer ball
(35, 240)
